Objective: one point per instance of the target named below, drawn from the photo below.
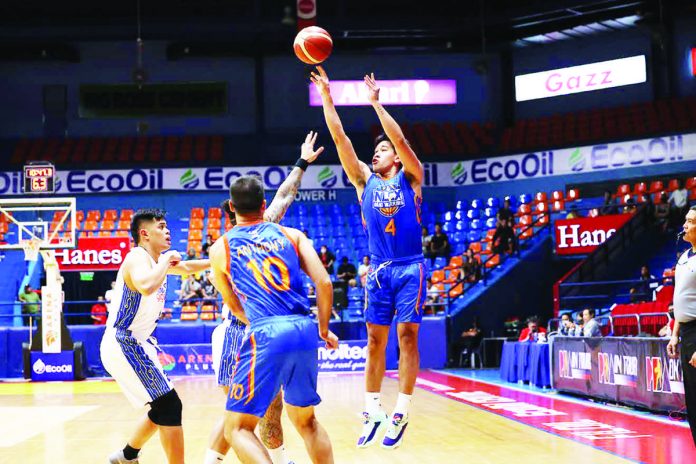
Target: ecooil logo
(189, 180)
(327, 178)
(576, 162)
(459, 174)
(57, 183)
(39, 367)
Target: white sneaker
(119, 458)
(373, 427)
(395, 432)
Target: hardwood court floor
(82, 422)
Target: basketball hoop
(31, 249)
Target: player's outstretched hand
(308, 153)
(173, 257)
(320, 80)
(372, 87)
(331, 340)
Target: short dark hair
(382, 138)
(693, 208)
(533, 319)
(144, 215)
(567, 315)
(247, 194)
(589, 310)
(225, 205)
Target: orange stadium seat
(456, 291)
(110, 214)
(691, 182)
(79, 216)
(573, 194)
(197, 213)
(189, 312)
(558, 205)
(455, 262)
(122, 233)
(438, 275)
(94, 215)
(196, 223)
(640, 187)
(493, 261)
(104, 233)
(126, 215)
(540, 196)
(557, 195)
(195, 244)
(656, 186)
(195, 234)
(624, 189)
(90, 225)
(452, 276)
(214, 234)
(524, 210)
(214, 223)
(124, 224)
(214, 213)
(208, 312)
(475, 247)
(108, 225)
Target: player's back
(391, 213)
(265, 270)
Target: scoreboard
(39, 178)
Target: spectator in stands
(678, 204)
(433, 299)
(109, 294)
(533, 332)
(590, 327)
(609, 206)
(661, 213)
(567, 327)
(468, 341)
(471, 269)
(311, 242)
(346, 272)
(504, 213)
(439, 244)
(191, 254)
(363, 270)
(573, 213)
(504, 238)
(327, 259)
(426, 238)
(666, 331)
(630, 206)
(99, 311)
(210, 293)
(206, 245)
(28, 295)
(191, 289)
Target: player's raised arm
(357, 171)
(288, 189)
(412, 166)
(311, 264)
(145, 279)
(193, 266)
(219, 257)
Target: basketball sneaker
(373, 427)
(395, 432)
(119, 458)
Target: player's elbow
(324, 284)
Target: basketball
(313, 45)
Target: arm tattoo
(284, 196)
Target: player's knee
(408, 341)
(305, 423)
(376, 342)
(166, 410)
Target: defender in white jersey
(227, 337)
(128, 352)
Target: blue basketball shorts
(226, 342)
(278, 351)
(395, 289)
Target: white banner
(567, 161)
(51, 307)
(583, 78)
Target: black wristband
(302, 164)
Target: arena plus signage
(583, 235)
(584, 78)
(392, 92)
(94, 254)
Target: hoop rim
(31, 248)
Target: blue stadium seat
(493, 202)
(339, 231)
(476, 203)
(475, 224)
(448, 227)
(473, 236)
(301, 210)
(457, 237)
(460, 216)
(473, 214)
(490, 223)
(461, 205)
(490, 212)
(512, 199)
(440, 262)
(461, 226)
(449, 216)
(525, 198)
(460, 248)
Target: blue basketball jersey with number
(265, 271)
(391, 216)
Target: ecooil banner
(567, 161)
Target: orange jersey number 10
(264, 276)
(391, 228)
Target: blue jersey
(391, 216)
(265, 269)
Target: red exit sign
(693, 61)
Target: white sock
(372, 402)
(213, 457)
(402, 404)
(278, 455)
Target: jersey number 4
(391, 228)
(264, 276)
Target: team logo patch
(388, 199)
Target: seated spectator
(643, 291)
(609, 206)
(29, 295)
(471, 269)
(346, 271)
(206, 245)
(426, 238)
(433, 299)
(99, 311)
(579, 325)
(439, 244)
(678, 204)
(630, 206)
(666, 331)
(210, 293)
(590, 327)
(505, 213)
(468, 341)
(191, 289)
(191, 254)
(532, 332)
(573, 213)
(661, 213)
(363, 270)
(567, 327)
(504, 238)
(327, 259)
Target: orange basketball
(313, 45)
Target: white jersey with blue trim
(131, 310)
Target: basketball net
(31, 249)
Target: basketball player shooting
(390, 196)
(257, 267)
(227, 337)
(127, 349)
